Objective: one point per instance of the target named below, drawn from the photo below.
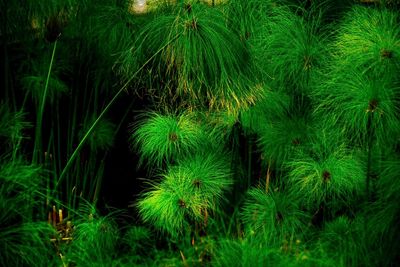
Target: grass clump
(272, 216)
(24, 242)
(369, 42)
(163, 139)
(94, 241)
(187, 194)
(205, 61)
(291, 48)
(360, 106)
(326, 175)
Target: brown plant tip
(181, 203)
(53, 29)
(386, 53)
(191, 24)
(197, 183)
(245, 36)
(326, 175)
(307, 63)
(296, 142)
(373, 104)
(279, 217)
(173, 137)
(188, 8)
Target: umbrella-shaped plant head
(291, 48)
(363, 89)
(107, 30)
(273, 107)
(273, 216)
(281, 138)
(165, 138)
(209, 173)
(369, 41)
(326, 174)
(187, 193)
(35, 79)
(360, 106)
(200, 58)
(360, 95)
(247, 15)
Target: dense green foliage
(268, 132)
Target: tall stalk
(90, 130)
(39, 120)
(370, 144)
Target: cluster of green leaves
(58, 73)
(315, 83)
(195, 179)
(328, 173)
(361, 89)
(23, 241)
(165, 138)
(273, 216)
(205, 61)
(322, 82)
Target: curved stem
(38, 142)
(90, 130)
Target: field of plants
(200, 133)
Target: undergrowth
(260, 133)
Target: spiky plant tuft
(281, 138)
(369, 41)
(384, 214)
(113, 28)
(360, 106)
(251, 252)
(273, 107)
(218, 125)
(94, 241)
(205, 62)
(247, 16)
(187, 193)
(291, 48)
(166, 138)
(209, 174)
(136, 236)
(26, 244)
(242, 253)
(326, 174)
(20, 182)
(273, 216)
(168, 208)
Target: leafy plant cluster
(268, 131)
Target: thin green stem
(369, 165)
(249, 167)
(38, 134)
(369, 151)
(90, 130)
